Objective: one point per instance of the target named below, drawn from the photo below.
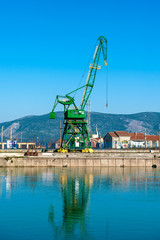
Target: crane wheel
(62, 150)
(88, 150)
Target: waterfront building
(19, 145)
(57, 144)
(123, 139)
(96, 140)
(137, 140)
(152, 141)
(117, 139)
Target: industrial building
(123, 139)
(117, 139)
(18, 145)
(13, 143)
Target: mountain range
(44, 129)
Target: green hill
(31, 127)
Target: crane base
(75, 135)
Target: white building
(123, 139)
(117, 139)
(138, 140)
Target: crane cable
(107, 87)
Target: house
(96, 140)
(58, 144)
(152, 141)
(138, 140)
(117, 139)
(123, 139)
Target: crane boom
(102, 46)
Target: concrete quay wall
(79, 162)
(100, 158)
(97, 153)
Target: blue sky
(45, 47)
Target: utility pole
(2, 134)
(60, 132)
(145, 137)
(159, 135)
(34, 138)
(11, 133)
(89, 117)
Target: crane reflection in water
(75, 192)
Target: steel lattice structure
(75, 134)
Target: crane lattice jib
(102, 46)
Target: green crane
(75, 134)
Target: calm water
(83, 203)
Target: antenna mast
(89, 117)
(11, 133)
(159, 135)
(2, 134)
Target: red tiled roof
(137, 136)
(152, 137)
(141, 136)
(112, 134)
(134, 136)
(121, 133)
(95, 139)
